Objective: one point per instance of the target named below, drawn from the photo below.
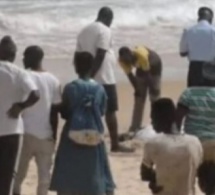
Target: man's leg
(27, 154)
(9, 160)
(44, 154)
(155, 88)
(111, 118)
(139, 105)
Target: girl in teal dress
(81, 169)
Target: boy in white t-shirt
(170, 159)
(40, 122)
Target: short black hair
(125, 51)
(8, 48)
(83, 63)
(105, 12)
(163, 111)
(33, 55)
(202, 10)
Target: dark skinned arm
(64, 105)
(148, 174)
(132, 80)
(54, 119)
(99, 58)
(183, 54)
(184, 45)
(18, 107)
(181, 112)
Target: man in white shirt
(198, 44)
(171, 159)
(97, 40)
(40, 122)
(15, 86)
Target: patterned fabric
(200, 120)
(82, 169)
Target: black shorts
(112, 99)
(195, 74)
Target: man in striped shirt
(197, 106)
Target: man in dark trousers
(198, 44)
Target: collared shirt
(200, 120)
(199, 42)
(98, 36)
(15, 86)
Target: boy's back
(37, 118)
(176, 158)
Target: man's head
(163, 115)
(205, 13)
(83, 64)
(126, 56)
(8, 49)
(105, 16)
(32, 57)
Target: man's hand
(15, 111)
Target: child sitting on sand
(171, 159)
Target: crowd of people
(31, 100)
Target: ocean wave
(64, 16)
(53, 22)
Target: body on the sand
(82, 168)
(97, 40)
(40, 122)
(146, 80)
(171, 159)
(196, 108)
(15, 86)
(198, 45)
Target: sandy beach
(125, 168)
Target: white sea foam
(54, 24)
